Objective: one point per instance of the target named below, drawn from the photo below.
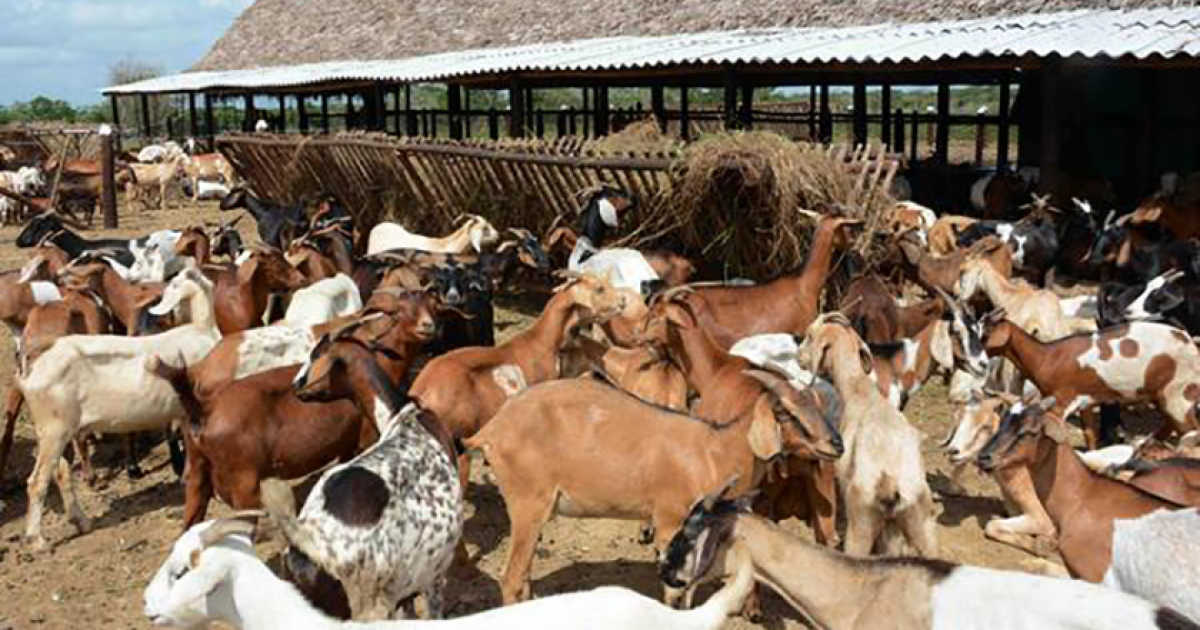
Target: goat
(947, 344)
(786, 305)
(255, 427)
(639, 371)
(882, 477)
(834, 590)
(127, 301)
(1142, 547)
(1163, 298)
(96, 383)
(207, 166)
(1032, 438)
(976, 422)
(908, 215)
(475, 233)
(243, 295)
(323, 301)
(626, 268)
(156, 177)
(212, 575)
(464, 388)
(277, 223)
(1138, 362)
(728, 390)
(49, 227)
(567, 447)
(24, 181)
(1172, 208)
(934, 273)
(942, 239)
(386, 523)
(1034, 243)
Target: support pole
(116, 119)
(410, 118)
(746, 113)
(377, 120)
(860, 113)
(516, 110)
(249, 114)
(454, 105)
(302, 113)
(826, 124)
(685, 115)
(885, 114)
(210, 122)
(1051, 165)
(942, 135)
(658, 106)
(1002, 132)
(731, 100)
(602, 111)
(108, 179)
(325, 112)
(146, 131)
(282, 113)
(193, 123)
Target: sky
(64, 48)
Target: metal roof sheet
(1141, 33)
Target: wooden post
(898, 138)
(885, 115)
(942, 148)
(860, 112)
(325, 113)
(812, 113)
(454, 107)
(685, 116)
(731, 100)
(516, 110)
(375, 116)
(914, 144)
(658, 106)
(248, 114)
(826, 125)
(193, 123)
(210, 122)
(746, 117)
(302, 112)
(1002, 131)
(146, 130)
(602, 114)
(108, 179)
(493, 124)
(1051, 116)
(116, 119)
(980, 139)
(282, 114)
(468, 130)
(410, 118)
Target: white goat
(323, 301)
(98, 383)
(212, 575)
(777, 351)
(1157, 557)
(625, 268)
(24, 181)
(474, 234)
(881, 472)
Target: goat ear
(765, 439)
(864, 355)
(206, 575)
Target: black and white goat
(277, 223)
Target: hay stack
(736, 198)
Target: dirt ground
(96, 580)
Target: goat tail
(887, 493)
(727, 601)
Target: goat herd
(706, 411)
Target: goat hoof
(646, 535)
(36, 543)
(134, 472)
(82, 525)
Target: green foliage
(45, 109)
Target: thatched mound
(737, 198)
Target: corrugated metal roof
(1167, 32)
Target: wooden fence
(427, 183)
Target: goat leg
(82, 453)
(131, 457)
(12, 409)
(1032, 522)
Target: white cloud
(91, 35)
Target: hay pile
(641, 136)
(736, 198)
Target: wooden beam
(685, 116)
(282, 113)
(249, 114)
(325, 113)
(746, 113)
(825, 135)
(602, 111)
(454, 107)
(410, 118)
(942, 143)
(375, 117)
(516, 110)
(885, 114)
(146, 130)
(210, 121)
(116, 119)
(860, 113)
(658, 106)
(1003, 130)
(302, 112)
(108, 177)
(730, 108)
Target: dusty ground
(96, 580)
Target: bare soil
(95, 580)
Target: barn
(1085, 91)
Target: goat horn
(225, 527)
(1172, 275)
(808, 213)
(773, 382)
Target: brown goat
(464, 388)
(1081, 504)
(639, 371)
(730, 388)
(127, 300)
(255, 428)
(870, 305)
(584, 449)
(241, 296)
(785, 305)
(933, 273)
